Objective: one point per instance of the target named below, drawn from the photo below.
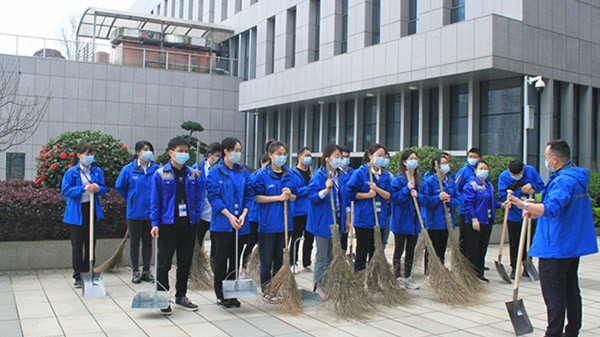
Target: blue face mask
(307, 161)
(412, 164)
(472, 161)
(386, 163)
(482, 174)
(336, 163)
(445, 168)
(280, 160)
(235, 157)
(181, 158)
(550, 169)
(345, 162)
(379, 161)
(88, 159)
(147, 155)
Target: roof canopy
(107, 19)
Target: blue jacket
(253, 207)
(301, 204)
(430, 191)
(404, 218)
(162, 197)
(566, 230)
(135, 185)
(363, 209)
(319, 216)
(478, 198)
(225, 188)
(530, 176)
(464, 176)
(270, 219)
(72, 189)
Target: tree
(197, 145)
(20, 113)
(71, 46)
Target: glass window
(288, 127)
(459, 112)
(414, 118)
(270, 45)
(158, 9)
(434, 117)
(349, 129)
(393, 121)
(166, 7)
(376, 27)
(15, 166)
(595, 126)
(369, 121)
(245, 38)
(344, 47)
(576, 115)
(190, 10)
(301, 127)
(457, 13)
(291, 50)
(332, 124)
(316, 126)
(316, 5)
(181, 6)
(200, 10)
(238, 6)
(413, 12)
(556, 114)
(501, 122)
(275, 125)
(262, 133)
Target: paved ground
(44, 303)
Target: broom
(253, 265)
(379, 277)
(200, 271)
(283, 285)
(116, 260)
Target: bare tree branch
(71, 46)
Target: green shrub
(197, 145)
(596, 212)
(425, 154)
(595, 188)
(496, 164)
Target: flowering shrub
(55, 158)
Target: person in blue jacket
(229, 189)
(386, 229)
(274, 186)
(463, 177)
(523, 180)
(327, 180)
(565, 232)
(77, 184)
(479, 212)
(433, 201)
(134, 185)
(303, 172)
(362, 191)
(176, 202)
(348, 170)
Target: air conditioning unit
(120, 34)
(202, 43)
(151, 36)
(177, 39)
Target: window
(376, 22)
(158, 9)
(275, 125)
(224, 10)
(270, 45)
(181, 9)
(457, 12)
(595, 126)
(152, 12)
(331, 123)
(15, 166)
(200, 10)
(434, 117)
(459, 114)
(245, 55)
(211, 11)
(301, 127)
(344, 40)
(369, 121)
(190, 10)
(174, 8)
(315, 40)
(166, 7)
(501, 122)
(238, 6)
(288, 127)
(349, 129)
(262, 133)
(316, 126)
(291, 42)
(414, 118)
(393, 121)
(556, 114)
(576, 115)
(413, 12)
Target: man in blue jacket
(565, 232)
(302, 172)
(463, 176)
(176, 205)
(523, 180)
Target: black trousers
(404, 242)
(307, 246)
(514, 234)
(560, 289)
(223, 259)
(178, 240)
(365, 246)
(80, 238)
(139, 232)
(344, 242)
(476, 245)
(439, 238)
(271, 255)
(203, 227)
(251, 241)
(462, 235)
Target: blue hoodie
(227, 188)
(72, 189)
(464, 176)
(430, 191)
(478, 198)
(404, 218)
(162, 197)
(135, 185)
(270, 219)
(301, 204)
(530, 176)
(319, 215)
(253, 210)
(566, 230)
(363, 208)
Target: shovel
(238, 288)
(499, 265)
(152, 299)
(93, 284)
(516, 307)
(532, 272)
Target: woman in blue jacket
(330, 178)
(77, 184)
(134, 184)
(303, 173)
(274, 185)
(229, 188)
(404, 221)
(480, 210)
(362, 191)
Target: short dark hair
(561, 149)
(228, 144)
(213, 148)
(328, 151)
(345, 149)
(140, 145)
(178, 141)
(301, 150)
(481, 161)
(475, 150)
(82, 148)
(516, 166)
(372, 149)
(274, 145)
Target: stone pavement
(44, 303)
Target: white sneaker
(409, 283)
(294, 268)
(308, 268)
(401, 281)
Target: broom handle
(374, 202)
(441, 184)
(285, 221)
(519, 258)
(417, 208)
(504, 225)
(91, 236)
(331, 197)
(529, 229)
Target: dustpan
(152, 299)
(93, 283)
(238, 288)
(309, 298)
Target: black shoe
(147, 276)
(224, 303)
(136, 277)
(482, 278)
(77, 283)
(167, 311)
(235, 303)
(512, 274)
(186, 303)
(486, 268)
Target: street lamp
(529, 110)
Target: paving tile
(304, 322)
(75, 325)
(365, 330)
(329, 332)
(30, 296)
(399, 329)
(271, 325)
(10, 328)
(99, 334)
(8, 312)
(202, 330)
(34, 310)
(41, 327)
(425, 324)
(66, 308)
(165, 331)
(296, 334)
(238, 327)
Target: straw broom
(253, 265)
(379, 276)
(116, 260)
(283, 285)
(201, 277)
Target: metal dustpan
(309, 298)
(532, 272)
(93, 283)
(516, 308)
(239, 288)
(152, 299)
(499, 266)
